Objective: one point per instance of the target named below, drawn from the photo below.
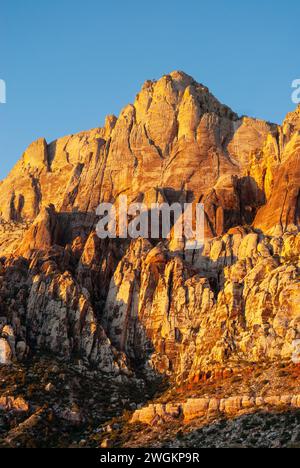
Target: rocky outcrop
(13, 404)
(42, 235)
(237, 299)
(282, 211)
(11, 234)
(46, 310)
(210, 407)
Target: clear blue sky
(68, 63)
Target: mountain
(139, 312)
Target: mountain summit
(176, 135)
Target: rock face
(177, 142)
(121, 305)
(238, 299)
(48, 311)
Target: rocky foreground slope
(144, 309)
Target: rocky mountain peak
(176, 137)
(127, 313)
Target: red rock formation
(121, 303)
(176, 137)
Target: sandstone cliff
(176, 141)
(121, 305)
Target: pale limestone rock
(60, 319)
